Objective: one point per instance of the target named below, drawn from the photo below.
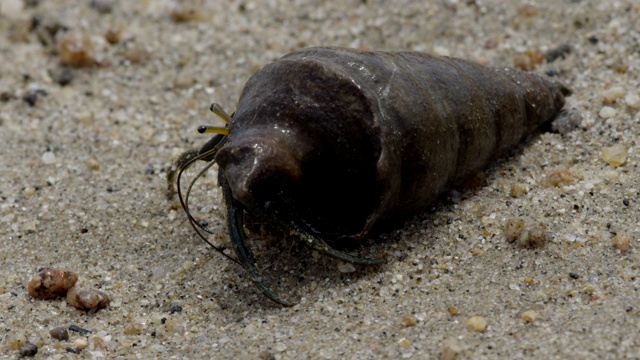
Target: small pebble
(79, 330)
(607, 112)
(477, 323)
(632, 100)
(529, 60)
(450, 349)
(346, 268)
(558, 52)
(611, 95)
(620, 68)
(574, 275)
(51, 283)
(567, 121)
(491, 43)
(59, 333)
(614, 155)
(4, 97)
(15, 341)
(89, 299)
(96, 343)
(93, 164)
(517, 190)
(137, 55)
(404, 342)
(452, 311)
(187, 13)
(133, 329)
(526, 233)
(28, 349)
(80, 344)
(65, 77)
(49, 158)
(551, 72)
(529, 316)
(408, 321)
(280, 347)
(30, 98)
(266, 355)
(73, 350)
(621, 241)
(184, 81)
(558, 175)
(76, 50)
(113, 35)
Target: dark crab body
(332, 142)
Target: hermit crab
(332, 142)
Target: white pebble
(607, 112)
(615, 155)
(80, 344)
(441, 50)
(477, 323)
(632, 100)
(48, 157)
(529, 316)
(610, 96)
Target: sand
(82, 188)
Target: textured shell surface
(342, 140)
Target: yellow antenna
(222, 130)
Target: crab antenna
(184, 201)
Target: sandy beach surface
(86, 141)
